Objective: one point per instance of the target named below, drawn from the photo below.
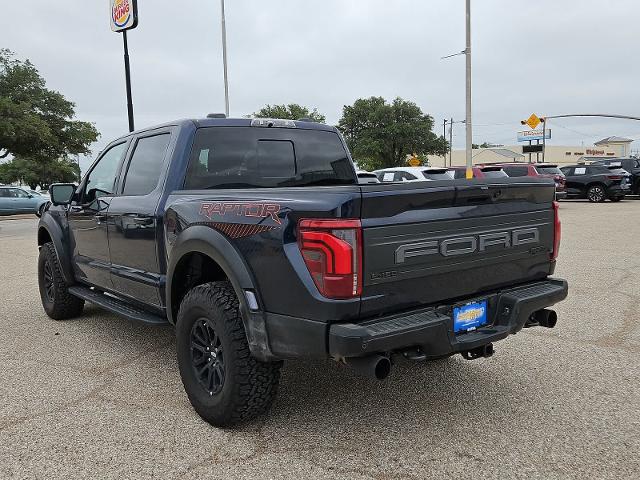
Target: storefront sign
(533, 135)
(123, 14)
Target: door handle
(143, 220)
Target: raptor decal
(241, 209)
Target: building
(558, 154)
(623, 145)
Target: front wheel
(57, 302)
(40, 210)
(224, 382)
(596, 193)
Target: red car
(546, 170)
(479, 171)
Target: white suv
(413, 174)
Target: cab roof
(240, 122)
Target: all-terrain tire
(57, 302)
(236, 387)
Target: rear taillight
(557, 230)
(614, 177)
(332, 251)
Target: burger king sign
(123, 14)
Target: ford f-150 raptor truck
(254, 238)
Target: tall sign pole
(469, 145)
(224, 61)
(124, 16)
(127, 78)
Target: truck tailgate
(431, 242)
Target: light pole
(468, 85)
(224, 61)
(450, 123)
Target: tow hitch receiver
(485, 351)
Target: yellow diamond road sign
(533, 121)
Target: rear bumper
(431, 329)
(618, 191)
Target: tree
(36, 124)
(35, 172)
(382, 134)
(483, 145)
(293, 111)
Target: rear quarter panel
(261, 225)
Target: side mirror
(62, 193)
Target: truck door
(134, 226)
(87, 218)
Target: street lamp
(467, 51)
(224, 61)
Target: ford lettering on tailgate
(468, 244)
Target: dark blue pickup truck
(254, 238)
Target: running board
(117, 306)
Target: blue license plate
(470, 316)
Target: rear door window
(436, 174)
(387, 176)
(548, 170)
(404, 176)
(494, 173)
(145, 166)
(254, 157)
(516, 171)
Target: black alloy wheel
(596, 194)
(207, 358)
(48, 282)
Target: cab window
(102, 178)
(145, 166)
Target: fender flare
(53, 229)
(209, 242)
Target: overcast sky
(543, 56)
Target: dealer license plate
(469, 316)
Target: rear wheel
(596, 193)
(224, 382)
(57, 302)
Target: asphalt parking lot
(101, 397)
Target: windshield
(252, 157)
(548, 170)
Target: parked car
(14, 200)
(597, 182)
(413, 174)
(490, 171)
(366, 177)
(254, 238)
(631, 165)
(545, 170)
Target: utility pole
(444, 137)
(224, 61)
(450, 140)
(468, 77)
